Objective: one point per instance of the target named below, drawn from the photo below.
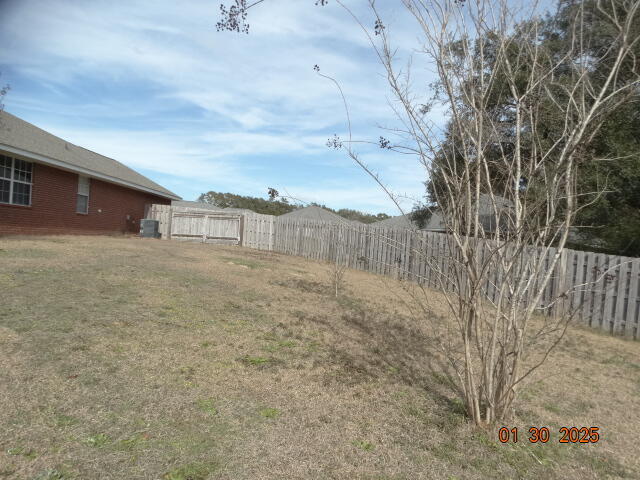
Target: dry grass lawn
(123, 358)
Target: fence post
(631, 328)
(559, 290)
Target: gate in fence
(206, 227)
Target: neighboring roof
(486, 205)
(436, 222)
(208, 206)
(401, 221)
(23, 138)
(486, 215)
(318, 214)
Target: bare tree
(338, 265)
(506, 190)
(505, 208)
(3, 93)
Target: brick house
(50, 186)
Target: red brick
(53, 206)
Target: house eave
(84, 171)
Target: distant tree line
(279, 206)
(258, 205)
(357, 215)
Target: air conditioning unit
(149, 228)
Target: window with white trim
(15, 181)
(82, 204)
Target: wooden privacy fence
(602, 290)
(201, 225)
(162, 213)
(258, 231)
(206, 227)
(251, 230)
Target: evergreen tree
(610, 163)
(258, 205)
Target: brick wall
(53, 206)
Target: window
(15, 181)
(82, 204)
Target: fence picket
(588, 293)
(632, 313)
(622, 282)
(609, 294)
(597, 313)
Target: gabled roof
(434, 224)
(23, 138)
(401, 221)
(486, 204)
(318, 214)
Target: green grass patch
(350, 303)
(63, 420)
(270, 412)
(98, 440)
(207, 406)
(254, 361)
(23, 452)
(192, 471)
(446, 451)
(132, 442)
(364, 445)
(279, 345)
(52, 474)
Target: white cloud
(257, 94)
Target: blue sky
(153, 85)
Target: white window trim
(80, 177)
(12, 180)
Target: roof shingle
(318, 214)
(22, 135)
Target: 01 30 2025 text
(543, 435)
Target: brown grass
(128, 358)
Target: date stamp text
(543, 435)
